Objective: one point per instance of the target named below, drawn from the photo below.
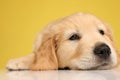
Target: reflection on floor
(61, 75)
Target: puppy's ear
(110, 35)
(45, 56)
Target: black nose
(102, 51)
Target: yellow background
(20, 20)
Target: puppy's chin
(96, 64)
(108, 65)
(103, 66)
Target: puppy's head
(79, 41)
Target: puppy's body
(79, 41)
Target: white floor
(61, 75)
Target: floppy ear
(45, 56)
(110, 35)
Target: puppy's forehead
(82, 21)
(77, 22)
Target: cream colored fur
(53, 49)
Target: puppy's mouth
(93, 68)
(98, 66)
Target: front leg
(22, 63)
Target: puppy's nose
(102, 51)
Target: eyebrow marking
(101, 27)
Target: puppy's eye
(74, 37)
(101, 32)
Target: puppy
(79, 42)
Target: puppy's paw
(17, 64)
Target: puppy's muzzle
(102, 51)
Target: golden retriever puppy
(80, 42)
